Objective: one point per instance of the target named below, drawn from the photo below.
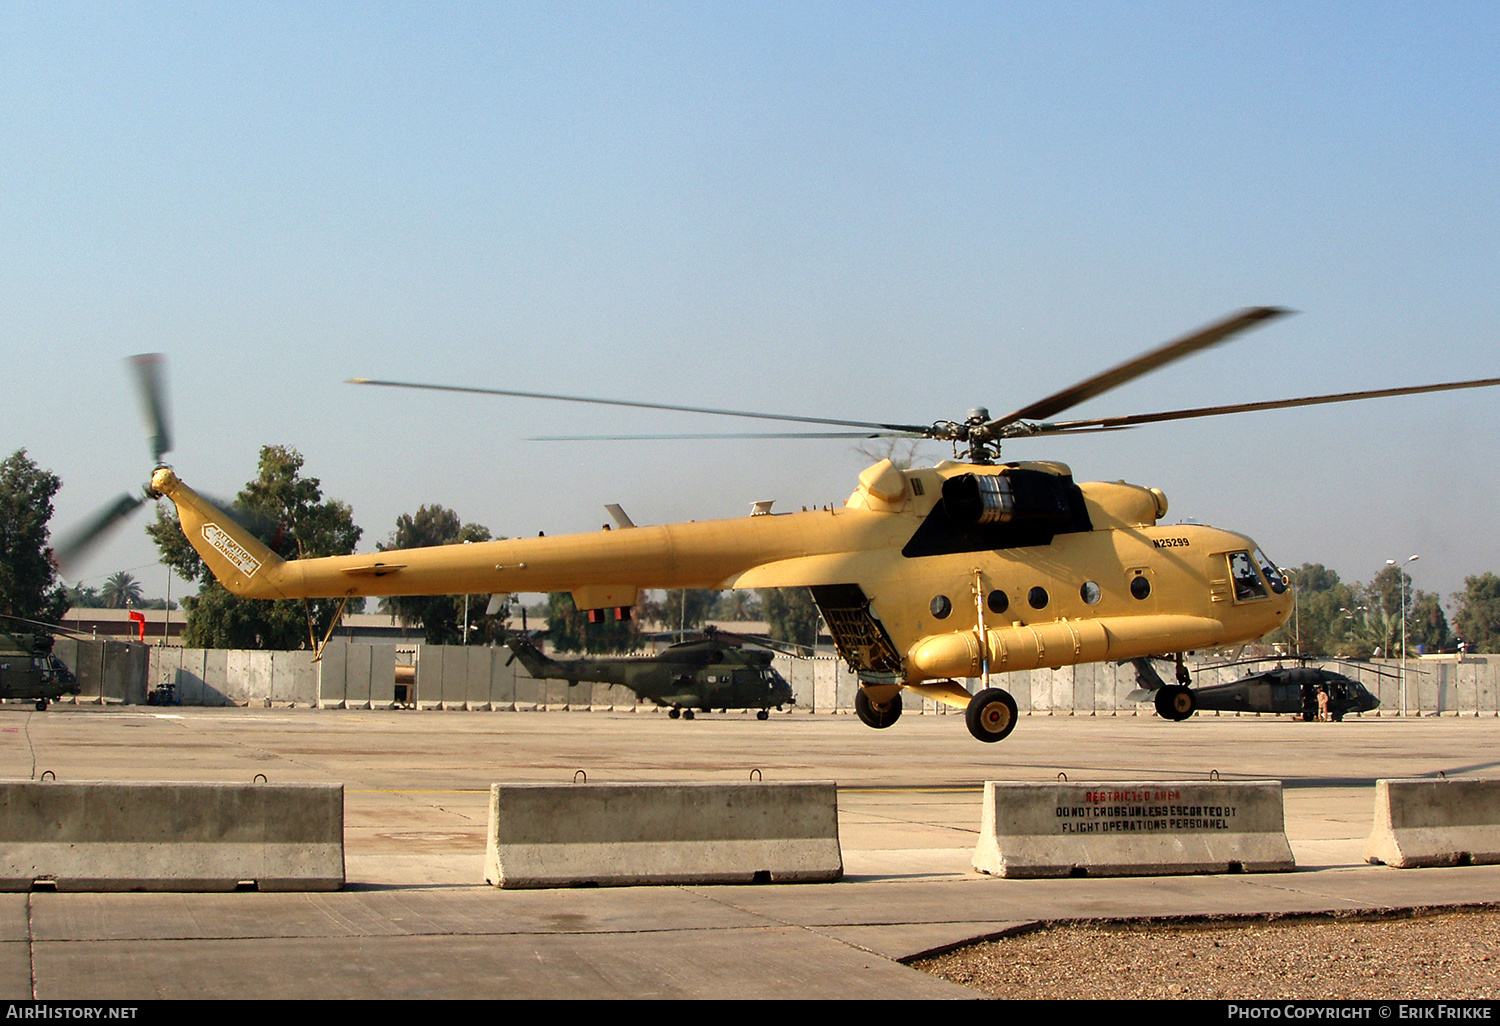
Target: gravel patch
(1418, 953)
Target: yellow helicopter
(969, 568)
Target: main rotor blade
(81, 539)
(917, 428)
(150, 384)
(1132, 420)
(763, 434)
(1212, 335)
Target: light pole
(1296, 611)
(1401, 582)
(466, 606)
(1364, 626)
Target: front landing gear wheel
(1175, 702)
(764, 714)
(991, 715)
(877, 716)
(41, 705)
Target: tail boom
(606, 568)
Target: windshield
(1273, 575)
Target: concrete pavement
(416, 920)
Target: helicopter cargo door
(857, 633)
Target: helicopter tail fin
(538, 665)
(240, 561)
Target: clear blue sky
(863, 210)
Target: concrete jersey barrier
(1428, 822)
(112, 836)
(569, 835)
(1132, 829)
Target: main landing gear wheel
(764, 714)
(687, 714)
(991, 715)
(1175, 702)
(674, 712)
(41, 705)
(877, 716)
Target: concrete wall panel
(382, 678)
(333, 673)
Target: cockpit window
(1247, 583)
(1273, 575)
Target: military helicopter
(30, 671)
(965, 569)
(713, 672)
(1282, 689)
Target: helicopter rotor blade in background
(1212, 335)
(741, 434)
(150, 383)
(917, 428)
(983, 436)
(1134, 420)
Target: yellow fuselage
(938, 597)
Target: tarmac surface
(417, 921)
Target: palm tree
(120, 590)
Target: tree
(1390, 593)
(441, 617)
(791, 614)
(1477, 620)
(737, 605)
(685, 609)
(1427, 625)
(80, 597)
(1318, 625)
(288, 512)
(120, 591)
(29, 587)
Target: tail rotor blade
(78, 542)
(150, 371)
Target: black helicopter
(715, 671)
(30, 671)
(1282, 689)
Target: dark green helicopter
(1282, 689)
(30, 671)
(713, 672)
